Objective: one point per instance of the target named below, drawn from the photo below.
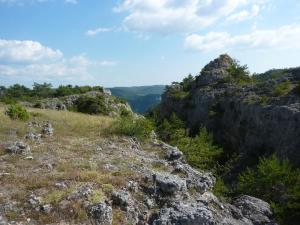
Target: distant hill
(140, 98)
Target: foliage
(187, 82)
(92, 105)
(239, 74)
(270, 75)
(221, 190)
(200, 150)
(282, 89)
(131, 126)
(42, 90)
(17, 112)
(177, 91)
(125, 112)
(39, 91)
(275, 181)
(17, 92)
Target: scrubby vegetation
(17, 112)
(277, 182)
(92, 105)
(200, 150)
(138, 127)
(282, 89)
(19, 92)
(239, 74)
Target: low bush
(200, 151)
(92, 105)
(17, 112)
(282, 89)
(276, 182)
(131, 126)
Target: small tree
(239, 74)
(43, 90)
(17, 112)
(277, 182)
(187, 82)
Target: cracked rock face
(237, 116)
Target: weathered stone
(47, 129)
(256, 210)
(122, 199)
(187, 214)
(173, 154)
(33, 136)
(132, 186)
(101, 214)
(201, 181)
(17, 147)
(3, 221)
(169, 184)
(34, 200)
(46, 208)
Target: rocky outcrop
(47, 129)
(254, 209)
(250, 118)
(101, 214)
(169, 184)
(253, 212)
(17, 147)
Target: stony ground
(68, 168)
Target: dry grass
(66, 123)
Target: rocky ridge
(115, 180)
(251, 119)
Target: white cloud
(96, 31)
(30, 59)
(180, 16)
(244, 14)
(14, 51)
(284, 37)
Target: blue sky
(141, 42)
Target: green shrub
(17, 112)
(135, 127)
(277, 182)
(200, 150)
(239, 74)
(125, 112)
(282, 89)
(221, 190)
(92, 105)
